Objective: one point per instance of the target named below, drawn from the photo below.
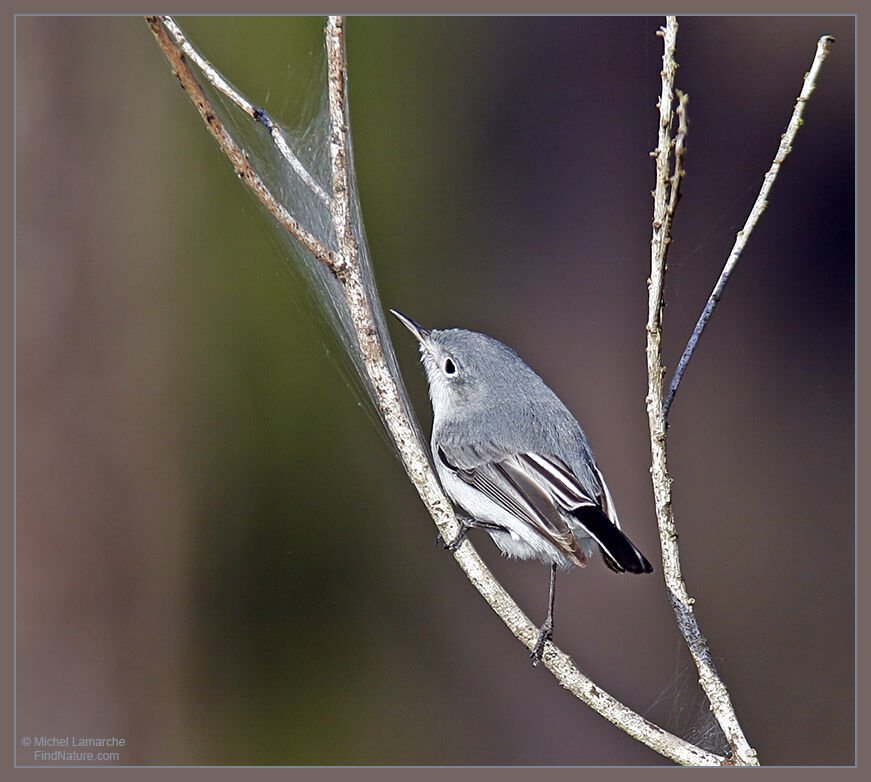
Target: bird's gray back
(518, 413)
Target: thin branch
(339, 146)
(786, 142)
(228, 145)
(665, 199)
(678, 171)
(222, 85)
(345, 265)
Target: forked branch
(669, 171)
(665, 199)
(786, 142)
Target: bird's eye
(450, 367)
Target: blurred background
(220, 559)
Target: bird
(508, 452)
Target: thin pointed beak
(420, 334)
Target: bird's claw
(544, 635)
(456, 542)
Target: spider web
(303, 189)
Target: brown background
(218, 556)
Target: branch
(665, 199)
(786, 142)
(222, 85)
(228, 145)
(346, 266)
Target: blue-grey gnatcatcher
(511, 455)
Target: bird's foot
(457, 541)
(545, 634)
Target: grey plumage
(508, 451)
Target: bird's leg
(466, 523)
(546, 632)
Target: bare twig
(679, 153)
(665, 199)
(786, 142)
(345, 265)
(228, 145)
(222, 85)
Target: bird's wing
(538, 490)
(517, 489)
(594, 511)
(560, 481)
